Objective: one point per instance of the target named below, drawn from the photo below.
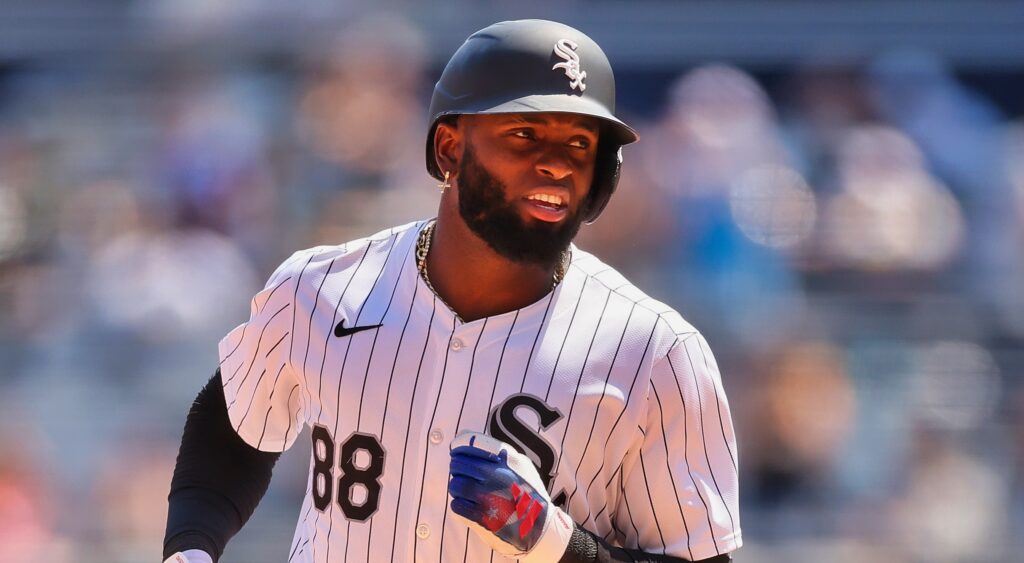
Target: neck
(473, 279)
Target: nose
(554, 164)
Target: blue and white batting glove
(497, 492)
(190, 556)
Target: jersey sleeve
(680, 494)
(262, 391)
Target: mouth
(548, 207)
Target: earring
(445, 185)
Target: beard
(482, 205)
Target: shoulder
(666, 326)
(316, 262)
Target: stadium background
(832, 191)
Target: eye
(523, 133)
(580, 143)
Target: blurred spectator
(1015, 469)
(27, 523)
(133, 480)
(169, 284)
(958, 132)
(954, 506)
(365, 97)
(917, 92)
(13, 222)
(215, 165)
(1006, 287)
(825, 97)
(360, 118)
(890, 213)
(716, 153)
(802, 417)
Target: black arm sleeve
(218, 478)
(585, 547)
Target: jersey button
(436, 436)
(457, 344)
(423, 531)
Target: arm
(218, 478)
(497, 492)
(237, 427)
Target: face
(523, 181)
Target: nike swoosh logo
(340, 330)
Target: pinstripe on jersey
(612, 394)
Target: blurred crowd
(851, 241)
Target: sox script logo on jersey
(613, 396)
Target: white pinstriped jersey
(616, 399)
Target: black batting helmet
(535, 66)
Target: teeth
(547, 198)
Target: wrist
(553, 541)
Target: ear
(448, 141)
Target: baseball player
(478, 388)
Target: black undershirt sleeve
(218, 478)
(586, 547)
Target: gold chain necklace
(423, 248)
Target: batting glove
(190, 556)
(497, 492)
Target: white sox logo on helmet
(566, 49)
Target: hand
(190, 556)
(497, 492)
